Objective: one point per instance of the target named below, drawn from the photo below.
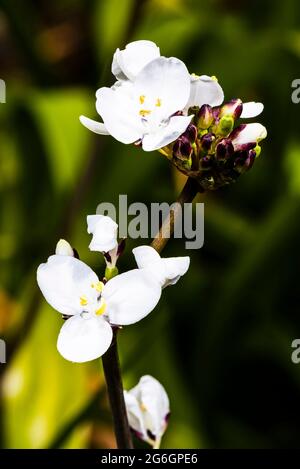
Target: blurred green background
(220, 342)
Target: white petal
(145, 256)
(94, 126)
(130, 296)
(250, 133)
(63, 248)
(167, 134)
(205, 90)
(84, 337)
(64, 280)
(135, 415)
(129, 62)
(167, 80)
(251, 109)
(104, 231)
(154, 401)
(175, 267)
(167, 271)
(119, 113)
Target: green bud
(225, 125)
(111, 272)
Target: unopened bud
(244, 161)
(191, 133)
(63, 248)
(205, 117)
(224, 150)
(182, 149)
(206, 142)
(233, 108)
(225, 125)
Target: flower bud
(205, 117)
(224, 150)
(225, 125)
(182, 149)
(191, 133)
(206, 142)
(233, 108)
(244, 161)
(63, 248)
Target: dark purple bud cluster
(208, 150)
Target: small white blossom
(148, 409)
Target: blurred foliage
(221, 343)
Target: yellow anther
(98, 286)
(101, 310)
(213, 77)
(83, 301)
(142, 98)
(158, 102)
(144, 112)
(143, 407)
(195, 75)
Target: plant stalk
(110, 359)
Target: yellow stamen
(98, 286)
(158, 102)
(143, 407)
(83, 301)
(142, 98)
(163, 152)
(101, 310)
(144, 112)
(195, 75)
(213, 77)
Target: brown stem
(113, 378)
(188, 193)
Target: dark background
(220, 341)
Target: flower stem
(112, 372)
(110, 359)
(188, 193)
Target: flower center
(144, 112)
(94, 304)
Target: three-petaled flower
(148, 104)
(92, 306)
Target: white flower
(148, 409)
(73, 289)
(129, 62)
(247, 133)
(104, 231)
(167, 271)
(143, 110)
(63, 248)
